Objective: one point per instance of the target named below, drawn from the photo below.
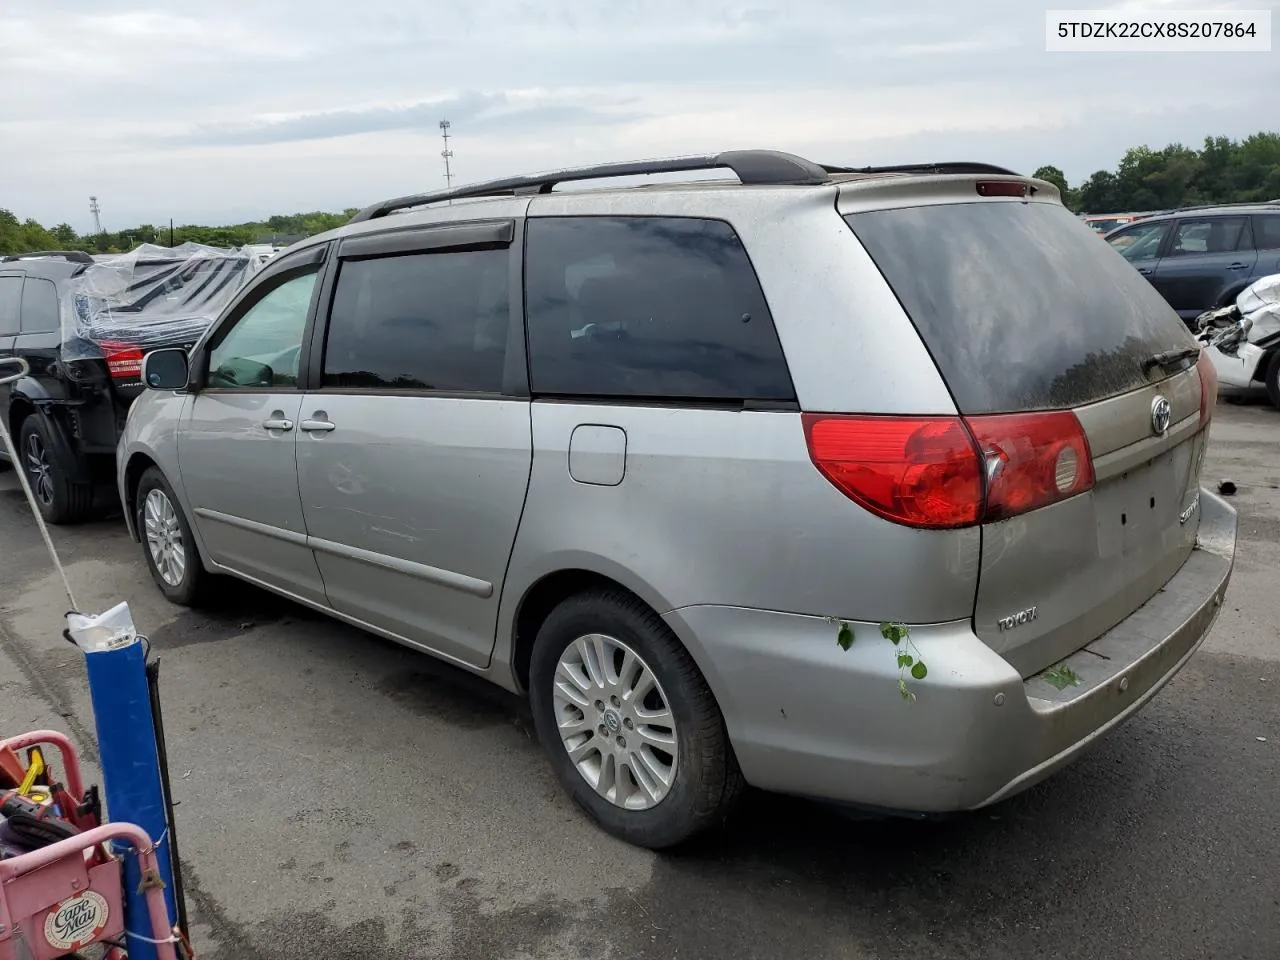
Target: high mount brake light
(124, 360)
(1208, 386)
(1001, 188)
(946, 472)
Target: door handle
(1238, 266)
(277, 423)
(1145, 271)
(317, 426)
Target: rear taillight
(941, 472)
(124, 361)
(1208, 386)
(1032, 460)
(918, 471)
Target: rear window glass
(1020, 305)
(1267, 228)
(39, 306)
(10, 298)
(648, 307)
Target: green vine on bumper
(908, 654)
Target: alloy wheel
(38, 469)
(164, 538)
(615, 722)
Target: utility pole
(171, 231)
(447, 154)
(96, 211)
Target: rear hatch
(1046, 339)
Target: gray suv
(1202, 258)
(879, 486)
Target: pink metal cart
(61, 898)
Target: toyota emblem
(1161, 414)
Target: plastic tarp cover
(151, 297)
(1260, 305)
(1260, 293)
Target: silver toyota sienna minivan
(879, 486)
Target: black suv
(1200, 258)
(83, 328)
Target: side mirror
(165, 369)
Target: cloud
(479, 112)
(224, 111)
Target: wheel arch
(554, 584)
(137, 464)
(27, 399)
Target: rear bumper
(808, 718)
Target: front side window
(39, 306)
(648, 307)
(421, 321)
(262, 348)
(1217, 235)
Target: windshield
(1020, 306)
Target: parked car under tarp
(151, 297)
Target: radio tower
(447, 154)
(96, 211)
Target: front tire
(167, 543)
(63, 491)
(628, 721)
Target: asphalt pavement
(342, 797)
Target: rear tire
(167, 543)
(676, 792)
(63, 490)
(1272, 380)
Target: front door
(415, 448)
(236, 443)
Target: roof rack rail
(755, 167)
(1226, 206)
(951, 166)
(75, 256)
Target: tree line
(1222, 171)
(25, 236)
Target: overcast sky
(223, 111)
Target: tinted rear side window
(39, 306)
(1021, 306)
(10, 298)
(1267, 229)
(421, 321)
(648, 307)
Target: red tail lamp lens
(918, 471)
(942, 472)
(1208, 386)
(1032, 460)
(124, 361)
